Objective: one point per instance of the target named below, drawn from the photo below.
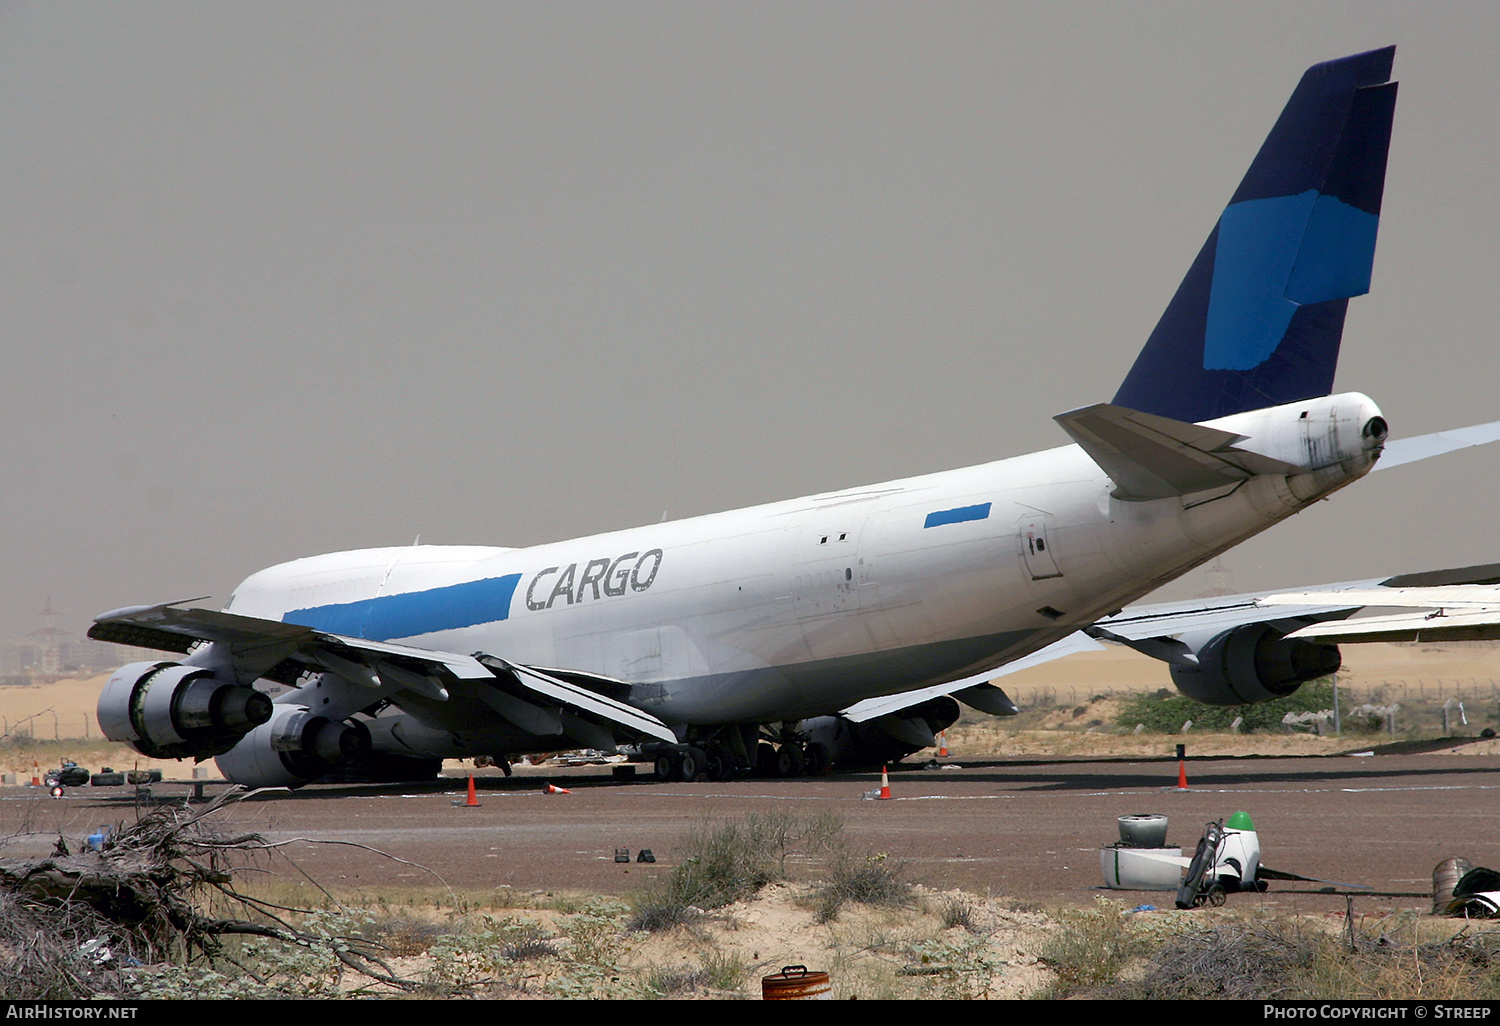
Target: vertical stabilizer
(1258, 319)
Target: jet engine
(292, 747)
(169, 710)
(1254, 662)
(883, 739)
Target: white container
(1141, 869)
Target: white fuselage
(802, 607)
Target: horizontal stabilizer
(1408, 450)
(1151, 457)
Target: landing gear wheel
(718, 763)
(664, 767)
(819, 759)
(790, 761)
(691, 765)
(765, 760)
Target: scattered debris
(1476, 895)
(69, 923)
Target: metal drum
(796, 983)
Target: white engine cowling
(170, 710)
(291, 748)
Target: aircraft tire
(765, 760)
(665, 770)
(790, 761)
(719, 763)
(691, 765)
(819, 760)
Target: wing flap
(535, 683)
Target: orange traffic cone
(473, 802)
(885, 784)
(942, 744)
(554, 789)
(1182, 775)
(36, 774)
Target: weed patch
(727, 862)
(1090, 946)
(1287, 960)
(1164, 713)
(872, 880)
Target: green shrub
(1089, 946)
(1164, 712)
(869, 880)
(725, 862)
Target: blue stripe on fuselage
(957, 516)
(415, 612)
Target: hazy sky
(278, 279)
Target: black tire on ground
(765, 759)
(719, 763)
(692, 764)
(664, 768)
(107, 779)
(819, 759)
(790, 761)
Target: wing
(1456, 612)
(973, 690)
(415, 702)
(1255, 647)
(887, 729)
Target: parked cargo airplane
(751, 639)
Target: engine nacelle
(293, 747)
(171, 711)
(886, 738)
(1255, 662)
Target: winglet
(1258, 319)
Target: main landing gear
(792, 759)
(724, 757)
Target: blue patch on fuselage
(957, 516)
(1273, 255)
(415, 612)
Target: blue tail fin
(1258, 319)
